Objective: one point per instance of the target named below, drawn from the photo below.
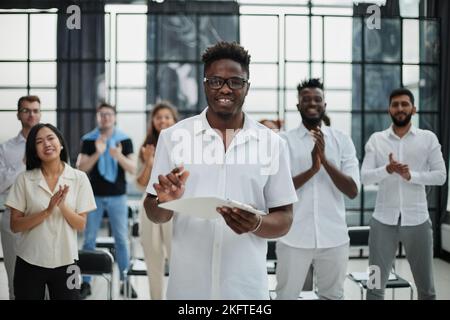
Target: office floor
(441, 269)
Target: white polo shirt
(421, 151)
(53, 243)
(209, 260)
(319, 215)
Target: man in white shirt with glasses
(12, 154)
(402, 160)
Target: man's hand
(171, 186)
(116, 152)
(240, 221)
(319, 141)
(316, 163)
(100, 145)
(397, 167)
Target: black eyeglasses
(233, 83)
(29, 111)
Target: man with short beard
(402, 160)
(324, 168)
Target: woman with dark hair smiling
(48, 203)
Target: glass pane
(49, 117)
(317, 39)
(176, 82)
(108, 36)
(338, 76)
(428, 122)
(411, 41)
(297, 38)
(356, 124)
(10, 125)
(134, 125)
(9, 98)
(332, 11)
(215, 28)
(43, 74)
(134, 47)
(175, 37)
(263, 75)
(338, 39)
(338, 100)
(13, 74)
(429, 44)
(130, 100)
(341, 121)
(258, 116)
(357, 38)
(292, 120)
(43, 36)
(291, 99)
(375, 123)
(428, 99)
(266, 50)
(379, 82)
(295, 73)
(383, 44)
(261, 101)
(131, 74)
(47, 97)
(13, 32)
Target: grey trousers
(9, 240)
(330, 267)
(418, 243)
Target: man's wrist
(258, 225)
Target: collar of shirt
(20, 138)
(67, 174)
(302, 131)
(249, 130)
(390, 132)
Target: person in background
(402, 160)
(106, 154)
(155, 238)
(325, 169)
(12, 163)
(49, 203)
(275, 125)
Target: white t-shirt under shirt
(209, 260)
(52, 243)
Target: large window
(27, 65)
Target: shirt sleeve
(162, 164)
(17, 198)
(87, 147)
(279, 189)
(127, 147)
(349, 161)
(370, 173)
(85, 196)
(437, 173)
(8, 173)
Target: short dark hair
(401, 92)
(29, 99)
(106, 105)
(310, 83)
(227, 50)
(32, 159)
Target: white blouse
(52, 243)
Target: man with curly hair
(222, 258)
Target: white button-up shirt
(319, 215)
(209, 260)
(52, 243)
(421, 151)
(12, 153)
